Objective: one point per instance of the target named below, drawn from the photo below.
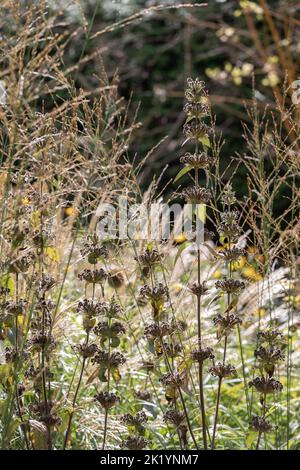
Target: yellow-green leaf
(204, 141)
(52, 253)
(182, 172)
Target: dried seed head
(4, 291)
(91, 308)
(266, 385)
(174, 417)
(230, 286)
(106, 399)
(197, 160)
(86, 350)
(195, 90)
(93, 249)
(134, 443)
(107, 330)
(158, 330)
(196, 130)
(226, 323)
(171, 350)
(231, 254)
(268, 357)
(134, 420)
(198, 289)
(172, 378)
(221, 371)
(196, 195)
(110, 309)
(271, 336)
(45, 283)
(41, 341)
(149, 258)
(11, 354)
(90, 276)
(228, 226)
(228, 196)
(158, 293)
(200, 355)
(196, 110)
(259, 424)
(114, 359)
(14, 308)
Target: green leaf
(182, 172)
(250, 439)
(114, 341)
(204, 141)
(116, 374)
(101, 374)
(182, 247)
(201, 212)
(7, 281)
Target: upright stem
(264, 414)
(75, 397)
(200, 366)
(218, 399)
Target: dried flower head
(268, 358)
(107, 330)
(134, 443)
(159, 330)
(197, 110)
(228, 226)
(104, 358)
(106, 399)
(42, 342)
(232, 254)
(134, 420)
(198, 289)
(196, 195)
(45, 283)
(259, 424)
(86, 350)
(228, 195)
(201, 355)
(266, 385)
(111, 309)
(172, 378)
(91, 308)
(157, 296)
(93, 249)
(271, 336)
(197, 160)
(196, 130)
(222, 370)
(14, 308)
(230, 286)
(174, 417)
(149, 258)
(93, 276)
(195, 90)
(226, 323)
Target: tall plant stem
(263, 415)
(75, 398)
(200, 366)
(218, 399)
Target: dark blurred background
(236, 47)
